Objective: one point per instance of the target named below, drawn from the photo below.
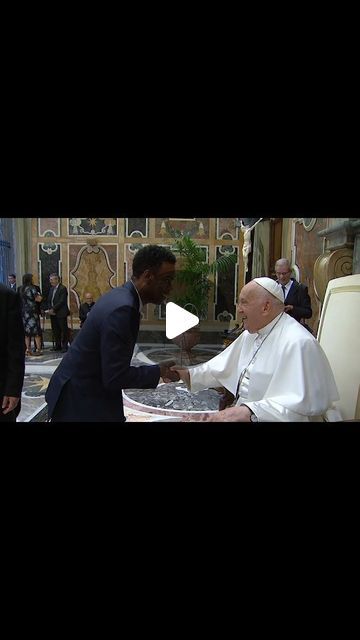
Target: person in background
(85, 307)
(58, 310)
(12, 281)
(276, 371)
(296, 297)
(12, 355)
(41, 314)
(87, 385)
(30, 314)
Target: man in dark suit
(58, 310)
(12, 281)
(296, 297)
(85, 307)
(12, 354)
(87, 385)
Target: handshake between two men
(169, 372)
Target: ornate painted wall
(95, 254)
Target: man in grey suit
(87, 385)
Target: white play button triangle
(178, 320)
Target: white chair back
(339, 336)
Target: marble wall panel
(226, 288)
(93, 269)
(261, 250)
(226, 230)
(197, 228)
(92, 226)
(49, 261)
(137, 227)
(49, 227)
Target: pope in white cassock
(276, 369)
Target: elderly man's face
(251, 307)
(283, 274)
(88, 298)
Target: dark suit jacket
(12, 345)
(84, 310)
(60, 301)
(299, 297)
(87, 385)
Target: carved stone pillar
(332, 264)
(341, 256)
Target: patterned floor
(168, 402)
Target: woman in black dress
(30, 314)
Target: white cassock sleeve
(290, 380)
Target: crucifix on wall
(246, 226)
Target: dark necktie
(284, 290)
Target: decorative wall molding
(226, 229)
(307, 223)
(136, 227)
(330, 265)
(92, 270)
(48, 227)
(92, 226)
(226, 287)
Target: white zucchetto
(273, 287)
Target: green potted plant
(193, 284)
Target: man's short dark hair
(151, 257)
(54, 275)
(12, 275)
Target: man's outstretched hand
(166, 373)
